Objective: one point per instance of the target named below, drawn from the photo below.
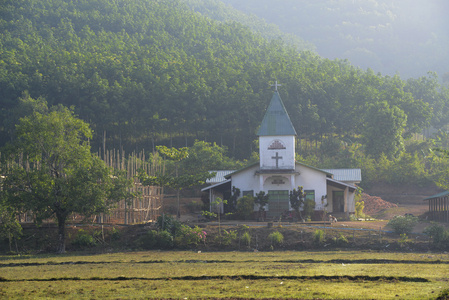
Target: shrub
(276, 238)
(114, 234)
(164, 240)
(169, 223)
(342, 240)
(245, 207)
(262, 200)
(188, 236)
(359, 206)
(440, 236)
(83, 240)
(227, 237)
(148, 240)
(403, 224)
(309, 207)
(318, 237)
(156, 240)
(246, 239)
(403, 240)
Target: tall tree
(61, 175)
(383, 130)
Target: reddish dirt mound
(375, 204)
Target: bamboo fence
(147, 204)
(145, 207)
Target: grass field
(191, 275)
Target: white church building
(277, 173)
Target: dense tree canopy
(152, 72)
(54, 173)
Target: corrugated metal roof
(442, 194)
(276, 120)
(352, 175)
(340, 183)
(215, 185)
(345, 175)
(220, 176)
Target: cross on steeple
(277, 158)
(276, 84)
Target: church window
(276, 145)
(248, 193)
(310, 194)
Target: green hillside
(149, 72)
(405, 37)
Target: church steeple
(276, 120)
(276, 137)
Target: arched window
(276, 145)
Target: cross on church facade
(277, 158)
(276, 84)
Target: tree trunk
(61, 233)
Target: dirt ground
(378, 225)
(405, 200)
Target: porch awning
(341, 185)
(219, 186)
(442, 194)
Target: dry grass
(155, 274)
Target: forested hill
(155, 72)
(409, 37)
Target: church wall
(246, 181)
(276, 183)
(270, 145)
(351, 202)
(311, 179)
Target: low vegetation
(403, 224)
(193, 274)
(170, 234)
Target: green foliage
(309, 207)
(246, 239)
(439, 235)
(261, 200)
(403, 224)
(383, 130)
(227, 237)
(318, 237)
(157, 73)
(235, 194)
(276, 238)
(297, 199)
(245, 207)
(61, 176)
(403, 240)
(114, 234)
(168, 223)
(342, 240)
(153, 239)
(204, 156)
(188, 236)
(359, 206)
(154, 73)
(83, 240)
(10, 227)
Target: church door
(278, 203)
